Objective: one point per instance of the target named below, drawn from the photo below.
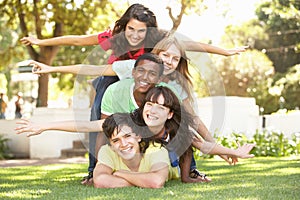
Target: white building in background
(226, 114)
(221, 115)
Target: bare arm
(215, 149)
(156, 178)
(103, 178)
(200, 127)
(76, 40)
(198, 124)
(70, 126)
(81, 69)
(201, 47)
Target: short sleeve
(106, 157)
(106, 104)
(158, 155)
(104, 39)
(123, 68)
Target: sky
(210, 25)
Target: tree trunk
(42, 100)
(46, 56)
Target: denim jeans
(193, 163)
(175, 160)
(100, 84)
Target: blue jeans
(193, 163)
(175, 161)
(100, 84)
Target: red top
(104, 42)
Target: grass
(257, 178)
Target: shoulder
(105, 149)
(121, 84)
(156, 148)
(171, 87)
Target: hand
(230, 159)
(236, 51)
(119, 172)
(27, 126)
(40, 68)
(29, 40)
(243, 151)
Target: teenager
(129, 159)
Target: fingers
(234, 160)
(25, 126)
(226, 158)
(25, 41)
(22, 121)
(36, 67)
(245, 149)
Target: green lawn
(257, 178)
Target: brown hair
(141, 13)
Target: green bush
(268, 143)
(4, 149)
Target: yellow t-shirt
(154, 154)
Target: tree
(280, 21)
(286, 87)
(186, 7)
(46, 19)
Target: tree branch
(38, 26)
(33, 54)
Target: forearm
(144, 180)
(202, 47)
(202, 130)
(213, 148)
(77, 40)
(110, 181)
(82, 69)
(198, 125)
(74, 126)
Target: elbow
(99, 183)
(157, 183)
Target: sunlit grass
(257, 178)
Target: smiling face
(146, 75)
(171, 58)
(156, 114)
(135, 32)
(125, 143)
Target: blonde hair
(181, 75)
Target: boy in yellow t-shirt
(130, 160)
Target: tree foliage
(280, 20)
(287, 86)
(44, 19)
(275, 34)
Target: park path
(35, 162)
